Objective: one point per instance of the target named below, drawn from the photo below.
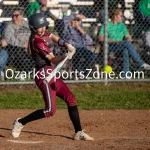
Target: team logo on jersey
(42, 20)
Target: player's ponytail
(29, 50)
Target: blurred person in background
(3, 60)
(117, 32)
(32, 7)
(75, 34)
(100, 14)
(144, 9)
(16, 36)
(112, 4)
(46, 11)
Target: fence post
(106, 37)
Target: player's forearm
(59, 41)
(57, 60)
(54, 38)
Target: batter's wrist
(62, 42)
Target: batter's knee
(71, 100)
(49, 113)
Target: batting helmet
(38, 20)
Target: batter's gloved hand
(71, 51)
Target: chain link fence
(128, 57)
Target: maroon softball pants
(56, 87)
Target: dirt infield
(115, 130)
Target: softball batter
(45, 60)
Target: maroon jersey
(40, 49)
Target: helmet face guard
(37, 20)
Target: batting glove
(71, 51)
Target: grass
(89, 96)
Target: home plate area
(112, 129)
(25, 142)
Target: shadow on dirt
(38, 133)
(1, 136)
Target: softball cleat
(17, 127)
(80, 135)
